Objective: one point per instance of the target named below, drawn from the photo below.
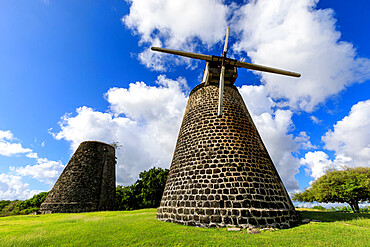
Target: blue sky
(81, 70)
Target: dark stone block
(245, 213)
(204, 219)
(233, 191)
(256, 204)
(199, 211)
(235, 212)
(239, 197)
(252, 221)
(209, 211)
(243, 221)
(227, 220)
(256, 213)
(261, 222)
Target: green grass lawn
(140, 228)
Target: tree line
(146, 192)
(17, 207)
(351, 185)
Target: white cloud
(175, 24)
(304, 140)
(351, 136)
(317, 163)
(257, 99)
(315, 119)
(46, 170)
(6, 135)
(12, 187)
(32, 155)
(8, 147)
(145, 120)
(350, 140)
(292, 35)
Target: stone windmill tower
(88, 182)
(221, 173)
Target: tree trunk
(354, 206)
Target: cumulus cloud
(293, 35)
(175, 24)
(45, 170)
(12, 187)
(6, 135)
(304, 140)
(349, 139)
(317, 163)
(143, 119)
(8, 146)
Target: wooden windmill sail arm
(183, 53)
(227, 61)
(265, 69)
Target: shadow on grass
(333, 216)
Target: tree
(151, 185)
(351, 185)
(146, 192)
(127, 197)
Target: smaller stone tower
(88, 182)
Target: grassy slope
(141, 228)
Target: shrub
(319, 208)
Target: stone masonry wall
(221, 173)
(88, 182)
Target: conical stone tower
(221, 173)
(88, 182)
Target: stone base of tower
(222, 217)
(49, 208)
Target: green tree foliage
(146, 192)
(127, 197)
(151, 185)
(23, 207)
(351, 186)
(4, 203)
